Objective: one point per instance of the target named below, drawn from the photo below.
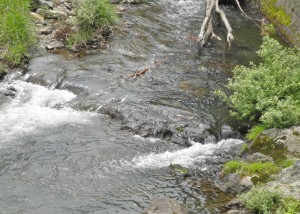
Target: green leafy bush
(261, 200)
(289, 206)
(268, 92)
(16, 30)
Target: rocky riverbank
(280, 147)
(285, 16)
(56, 21)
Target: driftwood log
(207, 31)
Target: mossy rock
(179, 170)
(269, 146)
(285, 16)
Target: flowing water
(59, 154)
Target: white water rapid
(35, 107)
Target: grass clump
(232, 166)
(17, 33)
(259, 171)
(255, 131)
(267, 168)
(261, 200)
(94, 17)
(268, 92)
(286, 163)
(95, 14)
(244, 148)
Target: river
(79, 136)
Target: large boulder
(288, 181)
(278, 143)
(170, 124)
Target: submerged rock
(174, 125)
(166, 206)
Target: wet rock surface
(259, 157)
(288, 181)
(274, 145)
(278, 143)
(174, 125)
(233, 183)
(166, 206)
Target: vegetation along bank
(285, 16)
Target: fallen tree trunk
(207, 31)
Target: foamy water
(35, 107)
(184, 157)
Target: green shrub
(289, 206)
(95, 14)
(16, 30)
(261, 200)
(255, 131)
(268, 92)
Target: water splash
(185, 157)
(34, 107)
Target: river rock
(288, 181)
(233, 183)
(37, 17)
(51, 14)
(55, 45)
(230, 183)
(131, 1)
(10, 91)
(46, 30)
(115, 1)
(45, 3)
(166, 206)
(246, 183)
(233, 212)
(234, 203)
(282, 139)
(174, 125)
(259, 157)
